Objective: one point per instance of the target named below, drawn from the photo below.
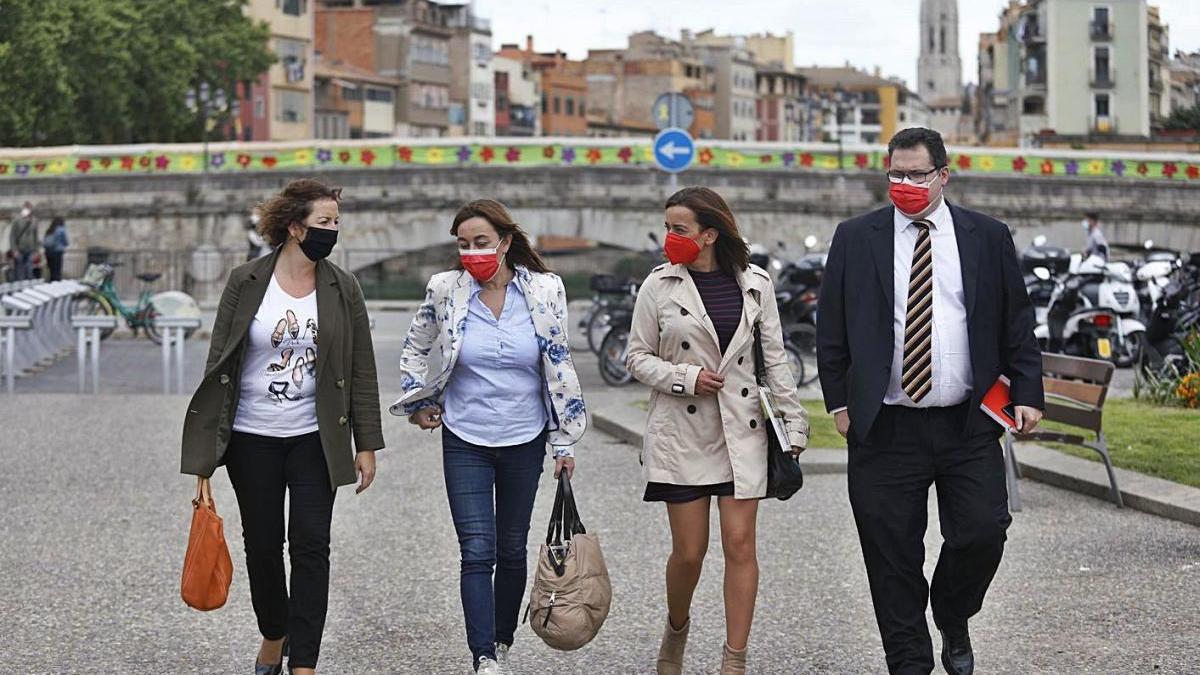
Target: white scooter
(1094, 312)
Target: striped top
(722, 298)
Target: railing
(1102, 30)
(1102, 79)
(1102, 124)
(36, 324)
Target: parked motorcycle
(1093, 312)
(1174, 317)
(1055, 260)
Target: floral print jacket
(435, 339)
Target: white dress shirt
(952, 379)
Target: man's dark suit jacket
(855, 317)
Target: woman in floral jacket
(486, 359)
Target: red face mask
(910, 199)
(680, 250)
(483, 264)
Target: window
(352, 93)
(929, 85)
(292, 7)
(557, 105)
(1100, 22)
(428, 50)
(380, 95)
(260, 107)
(480, 129)
(570, 105)
(1100, 65)
(290, 106)
(581, 108)
(545, 109)
(943, 41)
(431, 95)
(483, 52)
(292, 56)
(1102, 105)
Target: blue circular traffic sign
(674, 150)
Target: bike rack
(88, 329)
(174, 333)
(9, 325)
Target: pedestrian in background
(279, 408)
(23, 243)
(1097, 245)
(904, 365)
(257, 244)
(55, 244)
(506, 386)
(692, 341)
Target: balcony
(1102, 124)
(1032, 32)
(1035, 80)
(1102, 31)
(1102, 79)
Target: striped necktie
(917, 377)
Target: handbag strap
(760, 365)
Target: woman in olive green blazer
(290, 380)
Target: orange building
(563, 85)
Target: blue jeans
(23, 267)
(491, 493)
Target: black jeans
(54, 262)
(261, 469)
(889, 475)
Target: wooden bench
(1075, 393)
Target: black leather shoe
(269, 668)
(957, 656)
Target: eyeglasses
(918, 177)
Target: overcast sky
(867, 33)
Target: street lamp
(208, 104)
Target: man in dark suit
(922, 308)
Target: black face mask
(318, 243)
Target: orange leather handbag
(207, 567)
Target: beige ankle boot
(733, 662)
(670, 653)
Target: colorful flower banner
(266, 157)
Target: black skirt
(678, 494)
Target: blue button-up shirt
(496, 395)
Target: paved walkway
(94, 527)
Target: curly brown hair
(292, 205)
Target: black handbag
(784, 475)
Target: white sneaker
(502, 658)
(487, 667)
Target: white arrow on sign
(670, 150)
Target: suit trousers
(907, 451)
(262, 469)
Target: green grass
(822, 432)
(1157, 441)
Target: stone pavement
(95, 520)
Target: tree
(1184, 119)
(119, 71)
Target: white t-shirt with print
(279, 373)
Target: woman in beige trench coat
(692, 341)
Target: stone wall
(389, 211)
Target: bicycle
(610, 296)
(103, 300)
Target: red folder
(998, 405)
